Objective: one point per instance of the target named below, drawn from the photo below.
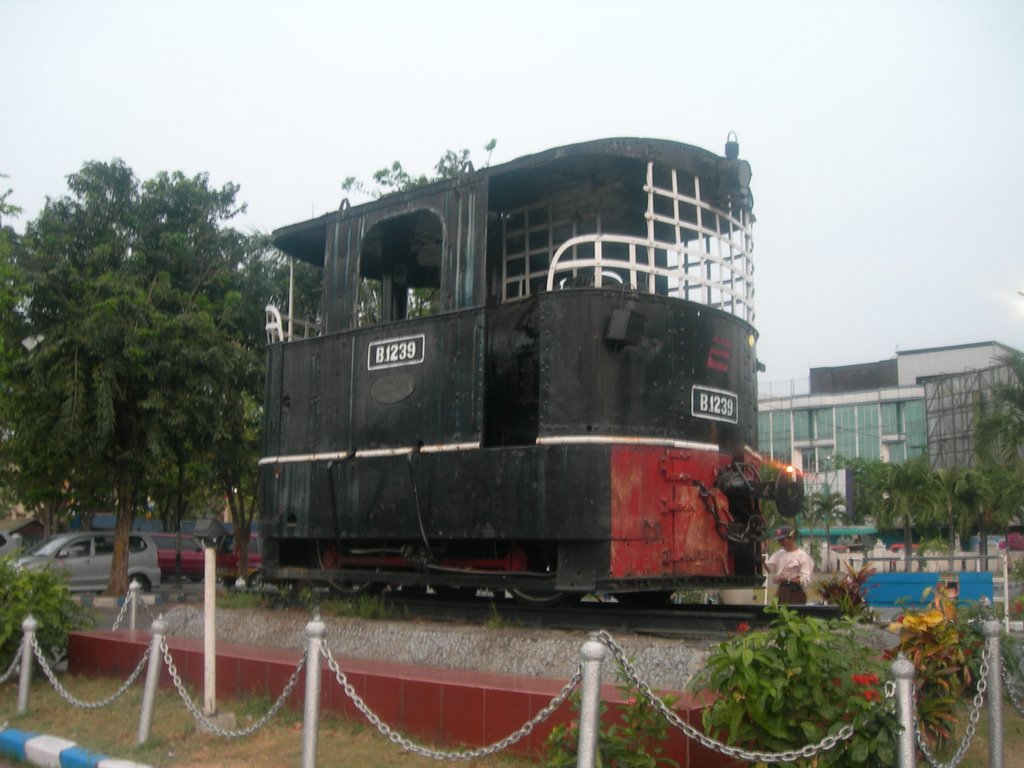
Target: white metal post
(315, 631)
(994, 694)
(1006, 591)
(159, 629)
(903, 672)
(28, 627)
(210, 631)
(590, 705)
(133, 596)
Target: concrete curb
(53, 752)
(115, 602)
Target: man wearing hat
(792, 568)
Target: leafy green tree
(1001, 433)
(959, 494)
(394, 178)
(134, 290)
(906, 494)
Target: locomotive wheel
(349, 588)
(330, 560)
(539, 599)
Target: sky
(883, 134)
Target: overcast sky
(884, 136)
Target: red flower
(742, 627)
(870, 694)
(862, 680)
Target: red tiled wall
(454, 707)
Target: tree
(1001, 433)
(133, 289)
(824, 506)
(394, 178)
(959, 493)
(906, 492)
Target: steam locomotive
(537, 377)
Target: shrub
(791, 685)
(849, 593)
(634, 742)
(43, 594)
(1014, 542)
(946, 654)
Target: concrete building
(921, 402)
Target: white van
(88, 558)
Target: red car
(227, 562)
(193, 560)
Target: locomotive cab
(538, 376)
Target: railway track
(680, 621)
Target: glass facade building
(888, 411)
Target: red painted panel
(664, 507)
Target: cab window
(400, 269)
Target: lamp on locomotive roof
(210, 532)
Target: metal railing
(899, 694)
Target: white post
(903, 672)
(994, 694)
(133, 595)
(1006, 591)
(152, 678)
(590, 705)
(210, 632)
(28, 627)
(315, 632)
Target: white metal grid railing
(693, 250)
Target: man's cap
(784, 532)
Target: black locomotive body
(539, 377)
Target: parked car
(10, 543)
(193, 559)
(227, 562)
(87, 557)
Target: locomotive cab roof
(723, 179)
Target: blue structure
(908, 590)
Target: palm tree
(907, 491)
(959, 490)
(1001, 433)
(824, 505)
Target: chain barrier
(124, 610)
(69, 697)
(979, 700)
(1010, 685)
(472, 754)
(655, 701)
(212, 727)
(15, 666)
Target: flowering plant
(946, 654)
(1014, 542)
(791, 685)
(849, 592)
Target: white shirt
(792, 566)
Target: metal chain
(69, 698)
(979, 700)
(1010, 684)
(411, 746)
(205, 721)
(15, 666)
(124, 610)
(630, 673)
